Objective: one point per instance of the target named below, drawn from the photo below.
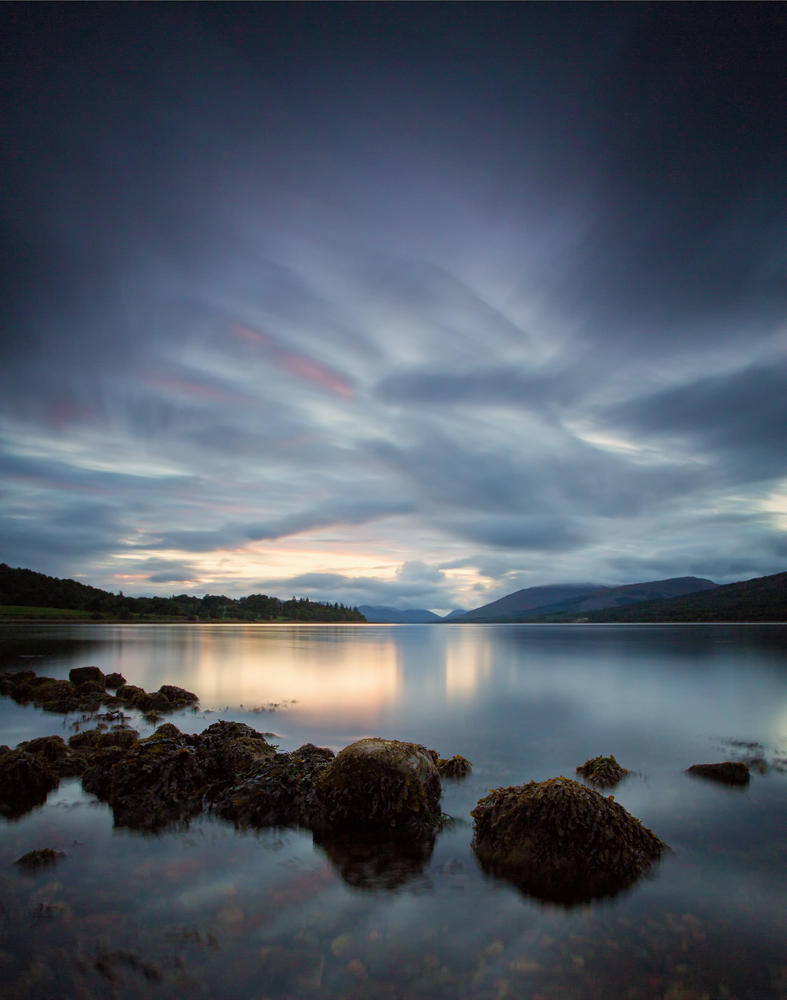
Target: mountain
(761, 600)
(390, 616)
(514, 606)
(455, 613)
(536, 602)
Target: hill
(761, 600)
(24, 588)
(390, 616)
(575, 599)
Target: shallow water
(209, 911)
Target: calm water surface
(210, 911)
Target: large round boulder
(380, 784)
(561, 841)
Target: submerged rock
(374, 861)
(560, 841)
(380, 784)
(25, 782)
(602, 771)
(729, 772)
(43, 858)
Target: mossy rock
(381, 784)
(561, 841)
(25, 782)
(456, 767)
(114, 681)
(178, 696)
(91, 740)
(728, 772)
(131, 695)
(159, 781)
(602, 771)
(97, 776)
(82, 675)
(60, 758)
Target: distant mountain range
(410, 616)
(578, 599)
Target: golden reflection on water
(467, 666)
(255, 667)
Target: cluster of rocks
(87, 689)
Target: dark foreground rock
(25, 782)
(602, 771)
(62, 759)
(560, 841)
(377, 784)
(729, 772)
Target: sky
(393, 304)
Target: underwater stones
(79, 675)
(158, 781)
(455, 767)
(113, 681)
(25, 782)
(729, 772)
(60, 758)
(279, 790)
(602, 771)
(380, 784)
(560, 841)
(43, 858)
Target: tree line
(26, 588)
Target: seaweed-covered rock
(60, 758)
(131, 695)
(10, 681)
(4, 748)
(178, 696)
(380, 784)
(560, 841)
(97, 776)
(44, 858)
(79, 675)
(160, 780)
(278, 790)
(602, 771)
(233, 747)
(25, 782)
(456, 767)
(113, 681)
(728, 772)
(91, 740)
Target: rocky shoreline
(375, 807)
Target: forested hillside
(25, 588)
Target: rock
(79, 675)
(729, 772)
(8, 682)
(178, 696)
(560, 841)
(60, 758)
(97, 776)
(131, 695)
(233, 747)
(113, 681)
(455, 767)
(34, 860)
(4, 748)
(279, 790)
(380, 784)
(25, 782)
(602, 771)
(91, 740)
(159, 781)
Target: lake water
(212, 912)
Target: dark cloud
(501, 291)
